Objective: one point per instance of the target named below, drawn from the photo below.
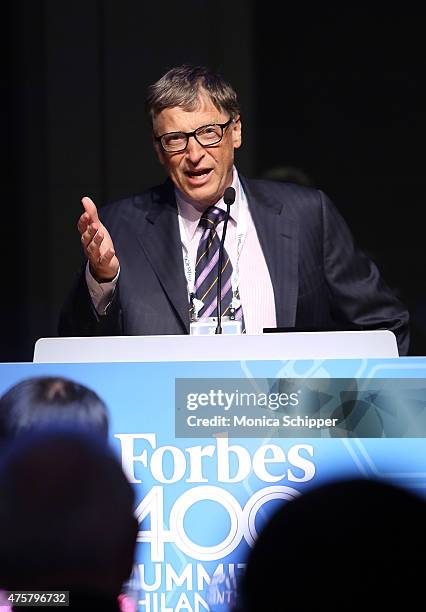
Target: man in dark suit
(292, 259)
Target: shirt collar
(190, 215)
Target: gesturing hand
(97, 243)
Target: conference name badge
(207, 327)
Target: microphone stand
(228, 198)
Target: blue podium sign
(202, 500)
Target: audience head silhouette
(342, 544)
(66, 518)
(36, 403)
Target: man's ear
(159, 151)
(236, 132)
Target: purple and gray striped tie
(206, 269)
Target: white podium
(280, 346)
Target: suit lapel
(159, 237)
(278, 236)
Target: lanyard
(240, 239)
(241, 232)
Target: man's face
(201, 173)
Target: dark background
(337, 93)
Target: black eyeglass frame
(188, 135)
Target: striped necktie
(206, 269)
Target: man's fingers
(94, 240)
(98, 237)
(83, 222)
(106, 257)
(90, 208)
(88, 235)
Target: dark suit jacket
(320, 279)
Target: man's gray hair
(181, 86)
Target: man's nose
(194, 151)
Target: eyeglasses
(206, 136)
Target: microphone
(228, 198)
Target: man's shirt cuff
(101, 294)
